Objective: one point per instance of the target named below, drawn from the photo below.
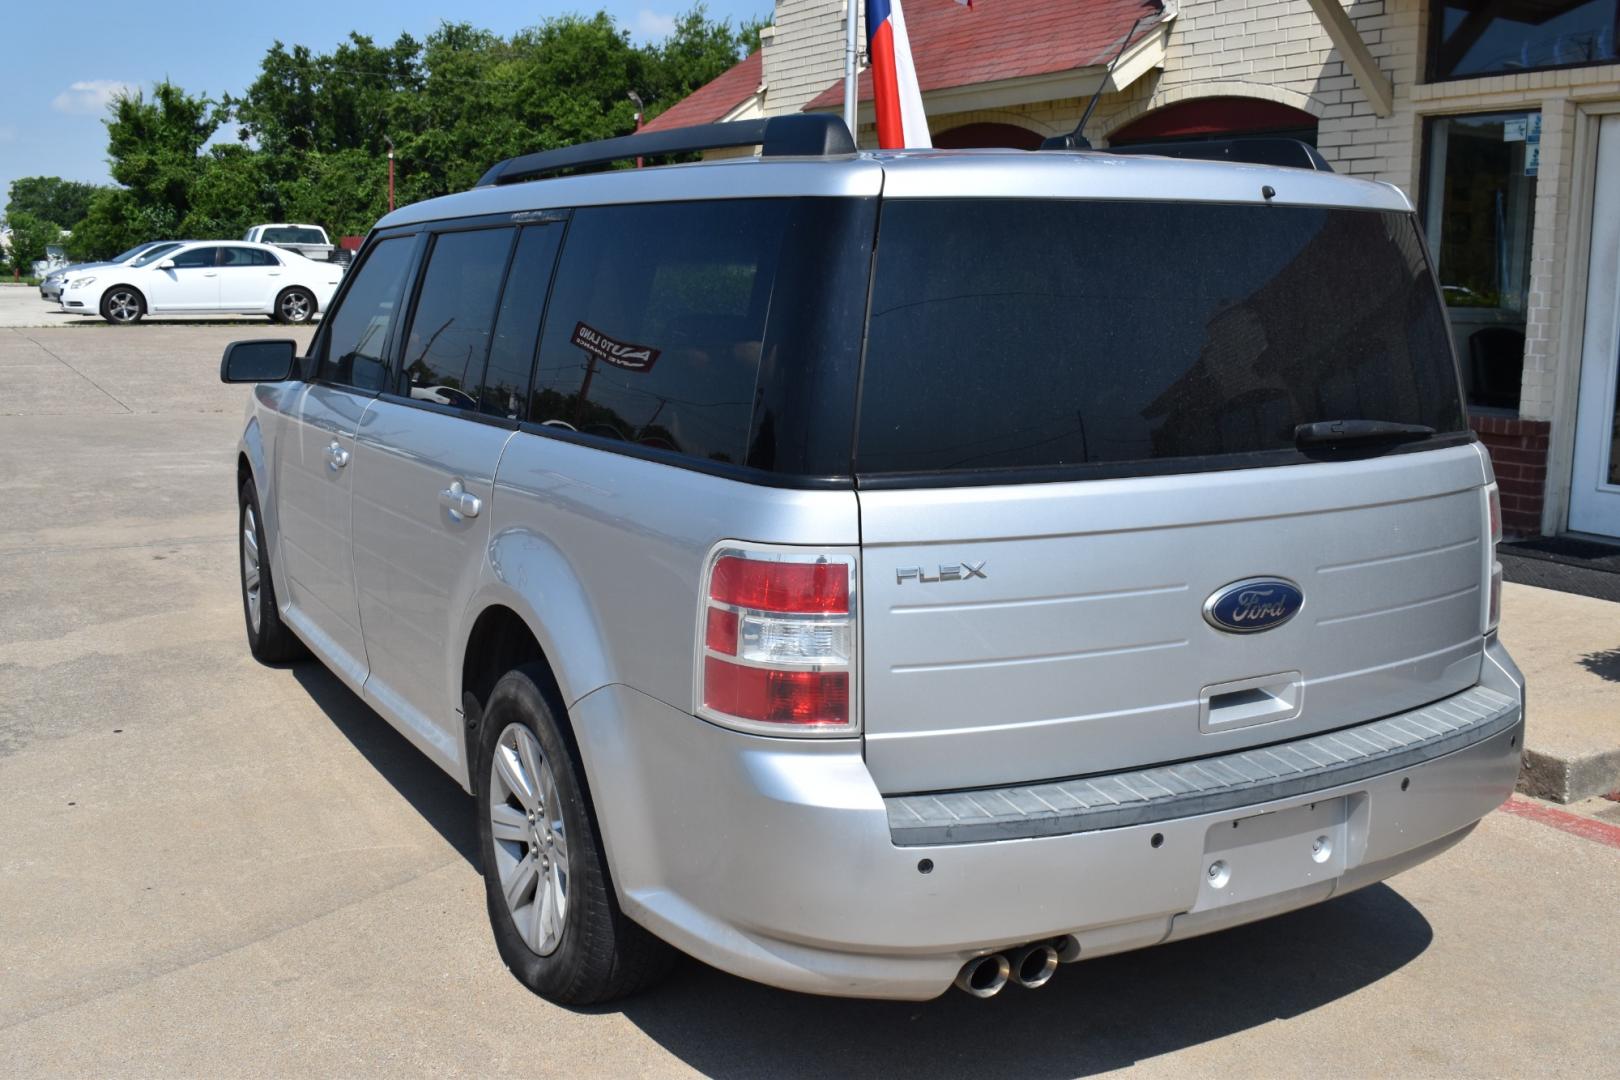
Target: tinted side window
(455, 314)
(511, 355)
(196, 257)
(357, 332)
(657, 323)
(236, 256)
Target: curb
(1569, 779)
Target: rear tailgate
(1083, 647)
(1082, 420)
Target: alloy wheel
(123, 306)
(250, 565)
(295, 307)
(531, 846)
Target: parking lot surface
(211, 867)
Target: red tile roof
(954, 45)
(714, 99)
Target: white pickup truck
(310, 241)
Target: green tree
(117, 221)
(29, 237)
(155, 146)
(313, 128)
(696, 52)
(50, 198)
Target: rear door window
(236, 256)
(1016, 334)
(505, 385)
(357, 332)
(448, 342)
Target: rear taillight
(1493, 516)
(777, 651)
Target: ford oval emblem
(1253, 605)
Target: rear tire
(269, 639)
(294, 305)
(123, 305)
(563, 934)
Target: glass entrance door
(1594, 502)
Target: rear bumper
(775, 859)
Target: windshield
(1038, 333)
(144, 249)
(154, 255)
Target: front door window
(1479, 215)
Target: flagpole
(851, 34)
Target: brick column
(1518, 451)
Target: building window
(1494, 37)
(1479, 213)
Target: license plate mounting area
(1253, 857)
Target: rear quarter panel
(603, 554)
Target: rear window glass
(1030, 334)
(709, 329)
(291, 234)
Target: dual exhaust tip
(1031, 967)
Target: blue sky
(64, 62)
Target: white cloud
(654, 24)
(90, 96)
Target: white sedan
(203, 278)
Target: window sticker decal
(609, 351)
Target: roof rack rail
(793, 135)
(1261, 150)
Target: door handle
(459, 501)
(211, 273)
(336, 456)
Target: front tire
(556, 921)
(269, 639)
(123, 305)
(294, 306)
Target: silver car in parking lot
(868, 572)
(51, 287)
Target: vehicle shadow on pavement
(1094, 1016)
(435, 796)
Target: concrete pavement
(210, 867)
(1569, 649)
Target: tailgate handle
(1244, 702)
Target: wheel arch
(101, 301)
(314, 297)
(252, 464)
(506, 629)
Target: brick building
(1499, 118)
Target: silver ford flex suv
(868, 572)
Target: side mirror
(258, 361)
(166, 264)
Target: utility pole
(390, 143)
(640, 109)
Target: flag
(895, 96)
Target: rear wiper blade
(1338, 431)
